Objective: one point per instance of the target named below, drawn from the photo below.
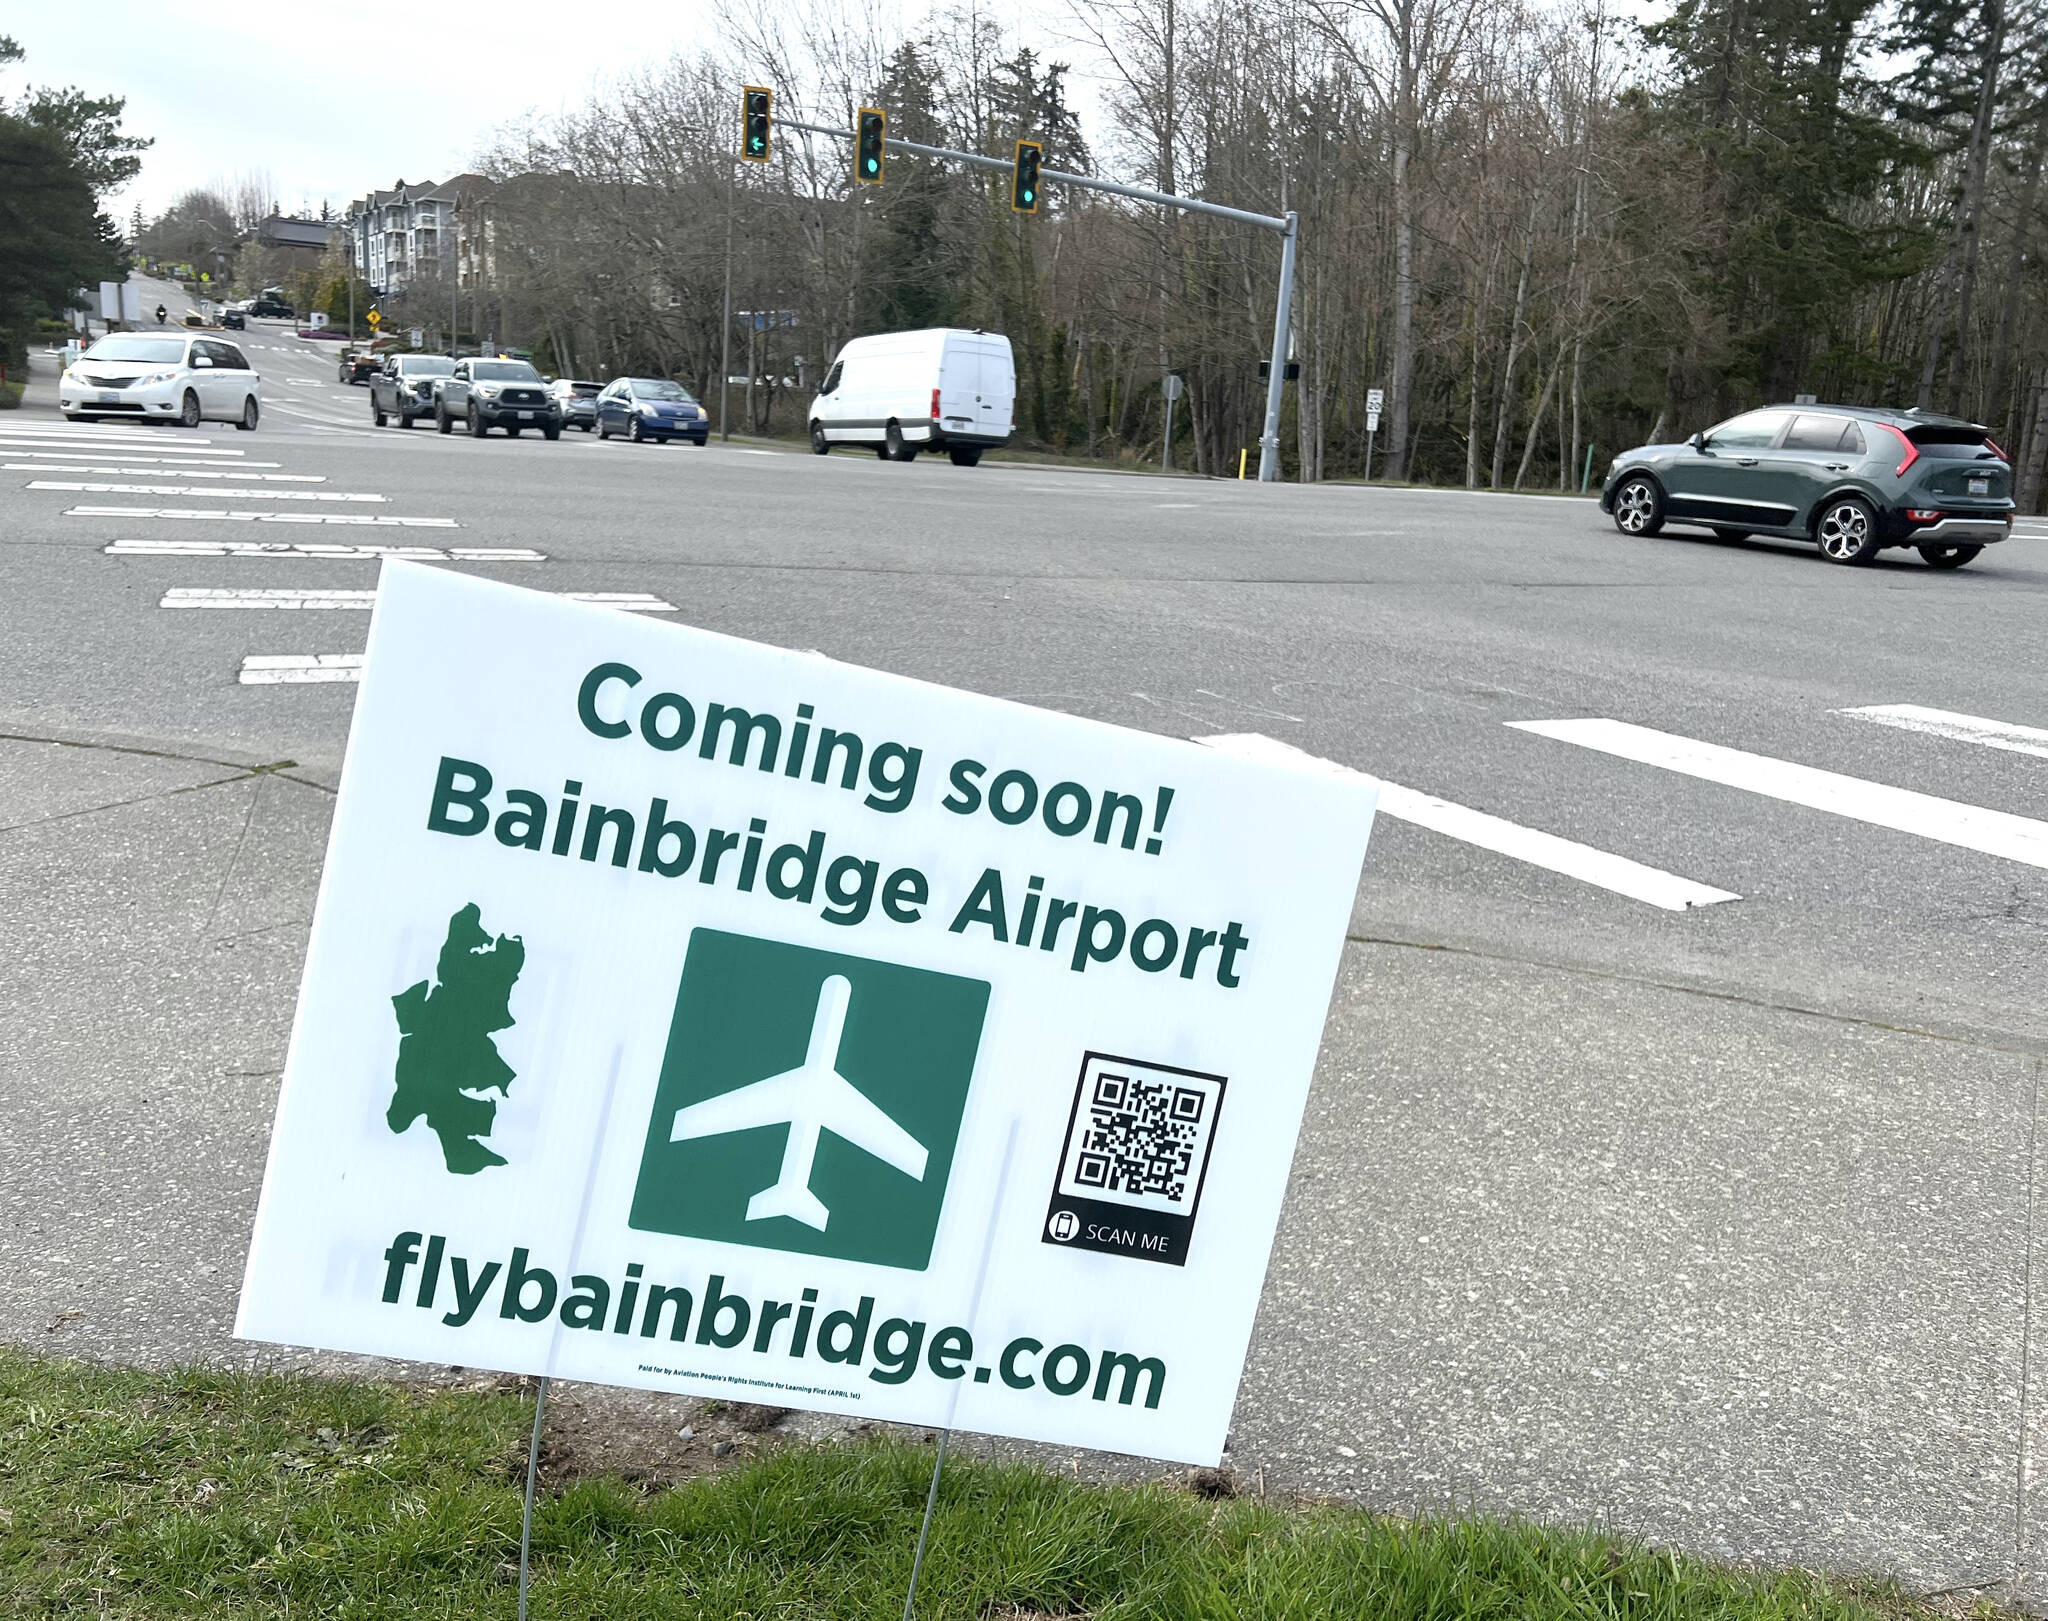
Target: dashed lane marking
(1947, 821)
(362, 601)
(1601, 868)
(281, 669)
(277, 549)
(52, 462)
(179, 489)
(220, 515)
(1991, 734)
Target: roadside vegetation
(127, 1494)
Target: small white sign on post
(697, 1015)
(1372, 422)
(1375, 400)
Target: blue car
(645, 408)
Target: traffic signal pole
(1287, 226)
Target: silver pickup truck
(404, 389)
(484, 394)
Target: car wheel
(603, 432)
(404, 417)
(964, 455)
(1949, 556)
(820, 445)
(551, 432)
(896, 447)
(1731, 534)
(442, 422)
(251, 414)
(476, 423)
(188, 413)
(635, 433)
(1847, 531)
(1638, 507)
(377, 413)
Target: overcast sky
(284, 89)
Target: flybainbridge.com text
(420, 1273)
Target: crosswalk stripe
(221, 516)
(81, 488)
(316, 552)
(11, 439)
(71, 433)
(279, 669)
(185, 470)
(1992, 734)
(1601, 868)
(1948, 821)
(362, 601)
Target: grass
(131, 1495)
(10, 395)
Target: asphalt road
(1713, 1220)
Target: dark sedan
(645, 408)
(1850, 480)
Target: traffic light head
(1024, 178)
(869, 147)
(757, 107)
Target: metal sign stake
(540, 1406)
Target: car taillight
(1912, 450)
(935, 405)
(1992, 446)
(1920, 515)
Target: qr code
(1140, 1134)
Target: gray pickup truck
(483, 394)
(404, 389)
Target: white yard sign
(692, 1014)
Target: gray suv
(483, 394)
(404, 389)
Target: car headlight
(488, 390)
(154, 377)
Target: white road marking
(321, 553)
(220, 515)
(56, 464)
(278, 669)
(178, 489)
(1947, 821)
(187, 490)
(1992, 734)
(640, 602)
(72, 433)
(81, 445)
(1601, 868)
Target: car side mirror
(1698, 441)
(202, 361)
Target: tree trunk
(1403, 379)
(1957, 276)
(1504, 407)
(1536, 421)
(2037, 452)
(2009, 411)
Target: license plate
(525, 415)
(1980, 486)
(110, 399)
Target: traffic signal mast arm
(1195, 205)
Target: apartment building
(408, 233)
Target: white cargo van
(902, 392)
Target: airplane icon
(811, 1098)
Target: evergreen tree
(1769, 108)
(909, 263)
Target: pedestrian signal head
(756, 109)
(869, 145)
(1024, 178)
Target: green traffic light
(1027, 194)
(871, 165)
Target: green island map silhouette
(446, 1058)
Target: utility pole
(725, 341)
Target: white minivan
(902, 392)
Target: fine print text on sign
(701, 1016)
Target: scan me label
(1135, 1158)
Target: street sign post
(701, 1016)
(1173, 390)
(1374, 399)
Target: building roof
(283, 232)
